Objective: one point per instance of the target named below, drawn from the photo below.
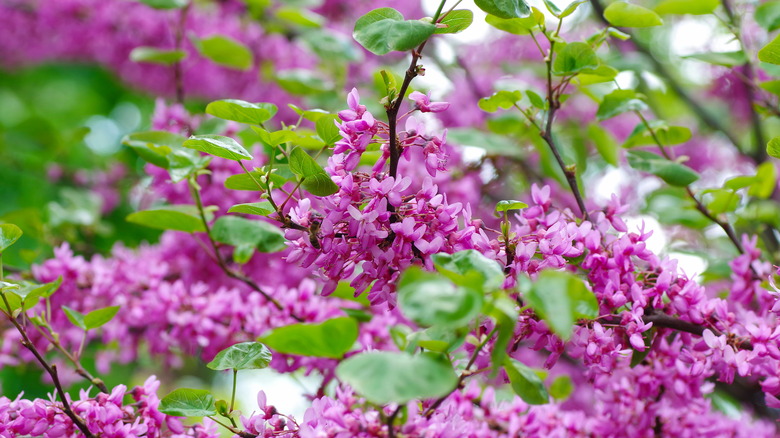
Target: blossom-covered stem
(464, 374)
(221, 261)
(392, 111)
(697, 108)
(725, 226)
(554, 103)
(50, 369)
(75, 362)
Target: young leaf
(331, 338)
(773, 147)
(154, 146)
(456, 21)
(672, 172)
(561, 388)
(243, 356)
(327, 129)
(75, 317)
(242, 111)
(237, 231)
(316, 181)
(428, 299)
(516, 26)
(693, 7)
(172, 217)
(186, 402)
(97, 318)
(767, 15)
(771, 52)
(320, 184)
(726, 59)
(605, 143)
(384, 30)
(257, 208)
(510, 205)
(9, 233)
(623, 14)
(561, 298)
(665, 134)
(526, 383)
(470, 268)
(389, 377)
(501, 99)
(153, 55)
(619, 102)
(165, 4)
(225, 51)
(574, 58)
(219, 146)
(505, 8)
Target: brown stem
(77, 364)
(178, 74)
(391, 420)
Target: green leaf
(300, 17)
(515, 26)
(165, 4)
(9, 233)
(186, 402)
(327, 129)
(766, 181)
(157, 56)
(384, 30)
(571, 8)
(767, 15)
(331, 338)
(316, 181)
(429, 299)
(726, 59)
(154, 146)
(225, 51)
(172, 217)
(561, 298)
(510, 205)
(720, 201)
(97, 318)
(237, 231)
(672, 172)
(456, 21)
(320, 184)
(75, 317)
(219, 146)
(500, 99)
(526, 383)
(243, 356)
(311, 115)
(574, 58)
(470, 268)
(623, 14)
(773, 147)
(619, 102)
(302, 82)
(602, 73)
(561, 388)
(693, 7)
(605, 143)
(666, 135)
(771, 52)
(505, 8)
(492, 144)
(388, 377)
(46, 290)
(183, 163)
(536, 100)
(242, 111)
(257, 208)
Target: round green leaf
(9, 233)
(507, 205)
(428, 299)
(219, 146)
(99, 317)
(470, 268)
(505, 8)
(154, 146)
(173, 217)
(562, 387)
(773, 147)
(767, 15)
(157, 56)
(456, 21)
(619, 102)
(243, 356)
(771, 52)
(574, 58)
(623, 14)
(385, 377)
(238, 231)
(331, 338)
(384, 30)
(242, 111)
(693, 7)
(257, 208)
(186, 402)
(526, 383)
(225, 51)
(561, 298)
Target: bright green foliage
(470, 268)
(693, 7)
(726, 59)
(624, 14)
(225, 51)
(574, 58)
(773, 147)
(526, 383)
(157, 56)
(186, 402)
(384, 30)
(561, 298)
(331, 338)
(387, 377)
(315, 180)
(503, 312)
(500, 99)
(767, 15)
(241, 232)
(429, 299)
(327, 129)
(771, 52)
(257, 208)
(605, 143)
(561, 388)
(154, 146)
(171, 217)
(672, 172)
(517, 26)
(242, 111)
(9, 233)
(165, 4)
(456, 21)
(507, 205)
(243, 356)
(619, 102)
(661, 132)
(91, 320)
(219, 146)
(505, 8)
